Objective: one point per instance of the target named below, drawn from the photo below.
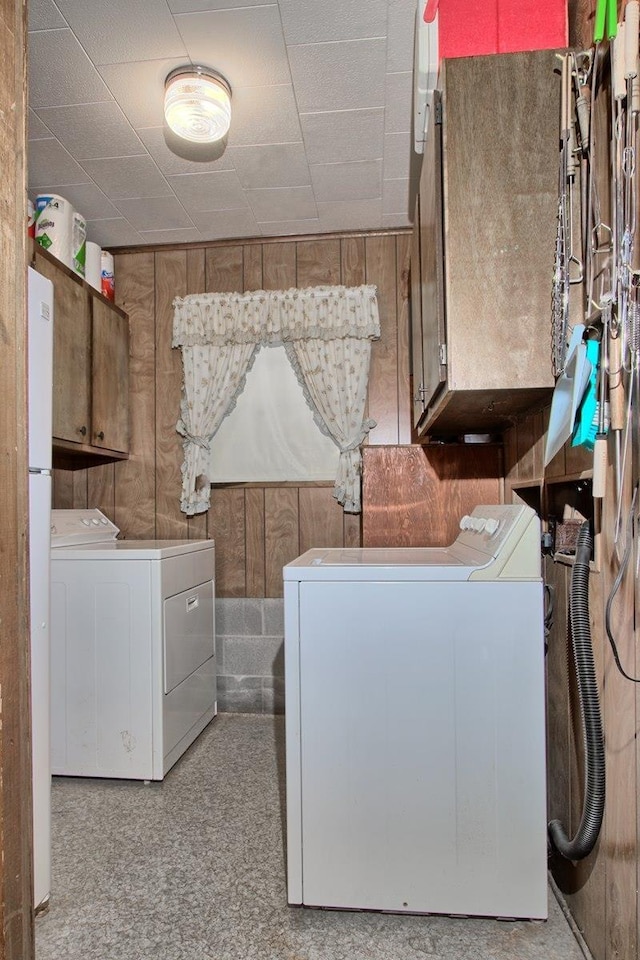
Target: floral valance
(276, 316)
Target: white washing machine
(133, 669)
(415, 724)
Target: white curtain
(334, 374)
(213, 378)
(327, 332)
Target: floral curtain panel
(327, 332)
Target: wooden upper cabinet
(90, 371)
(71, 354)
(110, 378)
(488, 203)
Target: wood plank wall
(256, 528)
(601, 891)
(16, 930)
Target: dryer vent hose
(593, 807)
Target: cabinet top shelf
(38, 251)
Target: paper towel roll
(78, 243)
(31, 219)
(93, 265)
(54, 225)
(108, 282)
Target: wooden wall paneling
(577, 459)
(80, 491)
(620, 734)
(558, 718)
(281, 530)
(528, 452)
(352, 529)
(227, 528)
(405, 403)
(171, 281)
(101, 488)
(62, 493)
(279, 265)
(16, 924)
(135, 478)
(510, 447)
(383, 377)
(196, 283)
(321, 518)
(317, 262)
(252, 257)
(586, 894)
(557, 467)
(254, 536)
(352, 261)
(224, 269)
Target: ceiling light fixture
(197, 104)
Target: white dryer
(415, 724)
(133, 669)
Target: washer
(415, 724)
(133, 669)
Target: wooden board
(282, 537)
(383, 376)
(414, 496)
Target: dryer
(415, 724)
(133, 668)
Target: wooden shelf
(76, 456)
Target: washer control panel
(493, 528)
(70, 528)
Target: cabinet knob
(100, 436)
(83, 431)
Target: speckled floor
(193, 869)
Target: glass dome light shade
(197, 105)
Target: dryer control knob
(87, 523)
(480, 524)
(465, 522)
(491, 526)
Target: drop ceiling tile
(351, 215)
(244, 44)
(291, 203)
(338, 76)
(361, 180)
(86, 198)
(50, 163)
(264, 115)
(60, 71)
(187, 235)
(395, 197)
(398, 149)
(391, 220)
(398, 100)
(124, 177)
(401, 18)
(272, 165)
(139, 88)
(193, 6)
(155, 213)
(224, 224)
(37, 129)
(124, 31)
(209, 191)
(90, 130)
(343, 135)
(44, 15)
(168, 162)
(310, 21)
(288, 228)
(112, 233)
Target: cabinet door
(417, 373)
(71, 354)
(434, 346)
(110, 380)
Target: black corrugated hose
(593, 806)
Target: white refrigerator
(40, 367)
